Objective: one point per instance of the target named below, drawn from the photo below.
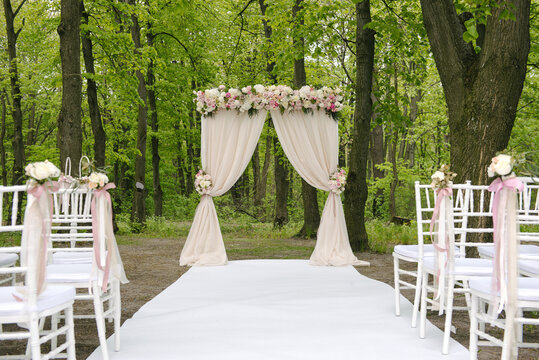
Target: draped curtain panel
(311, 143)
(228, 142)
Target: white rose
(246, 106)
(438, 175)
(259, 88)
(53, 170)
(213, 93)
(40, 171)
(103, 179)
(304, 91)
(503, 164)
(234, 92)
(94, 178)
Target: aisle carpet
(276, 309)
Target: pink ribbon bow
(495, 187)
(95, 230)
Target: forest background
(140, 61)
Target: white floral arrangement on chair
(254, 98)
(40, 172)
(501, 165)
(442, 178)
(203, 182)
(97, 180)
(337, 181)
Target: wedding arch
(232, 121)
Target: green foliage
(383, 236)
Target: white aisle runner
(276, 309)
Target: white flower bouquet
(337, 181)
(442, 178)
(501, 165)
(97, 180)
(41, 172)
(203, 182)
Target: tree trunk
(261, 177)
(378, 158)
(356, 193)
(157, 191)
(2, 137)
(281, 186)
(91, 91)
(280, 163)
(395, 181)
(32, 133)
(139, 200)
(311, 214)
(481, 90)
(16, 112)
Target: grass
(245, 238)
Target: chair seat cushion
(8, 259)
(528, 288)
(69, 273)
(54, 295)
(530, 267)
(464, 266)
(412, 251)
(72, 257)
(487, 252)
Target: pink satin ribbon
(95, 230)
(441, 193)
(497, 185)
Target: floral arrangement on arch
(337, 181)
(442, 178)
(40, 172)
(258, 97)
(203, 182)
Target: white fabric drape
(35, 237)
(112, 265)
(228, 142)
(311, 143)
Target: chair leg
(417, 295)
(54, 327)
(473, 328)
(423, 318)
(70, 336)
(100, 322)
(397, 285)
(34, 337)
(117, 314)
(448, 314)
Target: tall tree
(16, 112)
(311, 214)
(152, 101)
(69, 119)
(482, 85)
(91, 91)
(356, 194)
(280, 164)
(139, 200)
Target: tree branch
(181, 44)
(18, 8)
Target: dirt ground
(152, 265)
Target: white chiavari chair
(477, 204)
(425, 199)
(71, 265)
(28, 308)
